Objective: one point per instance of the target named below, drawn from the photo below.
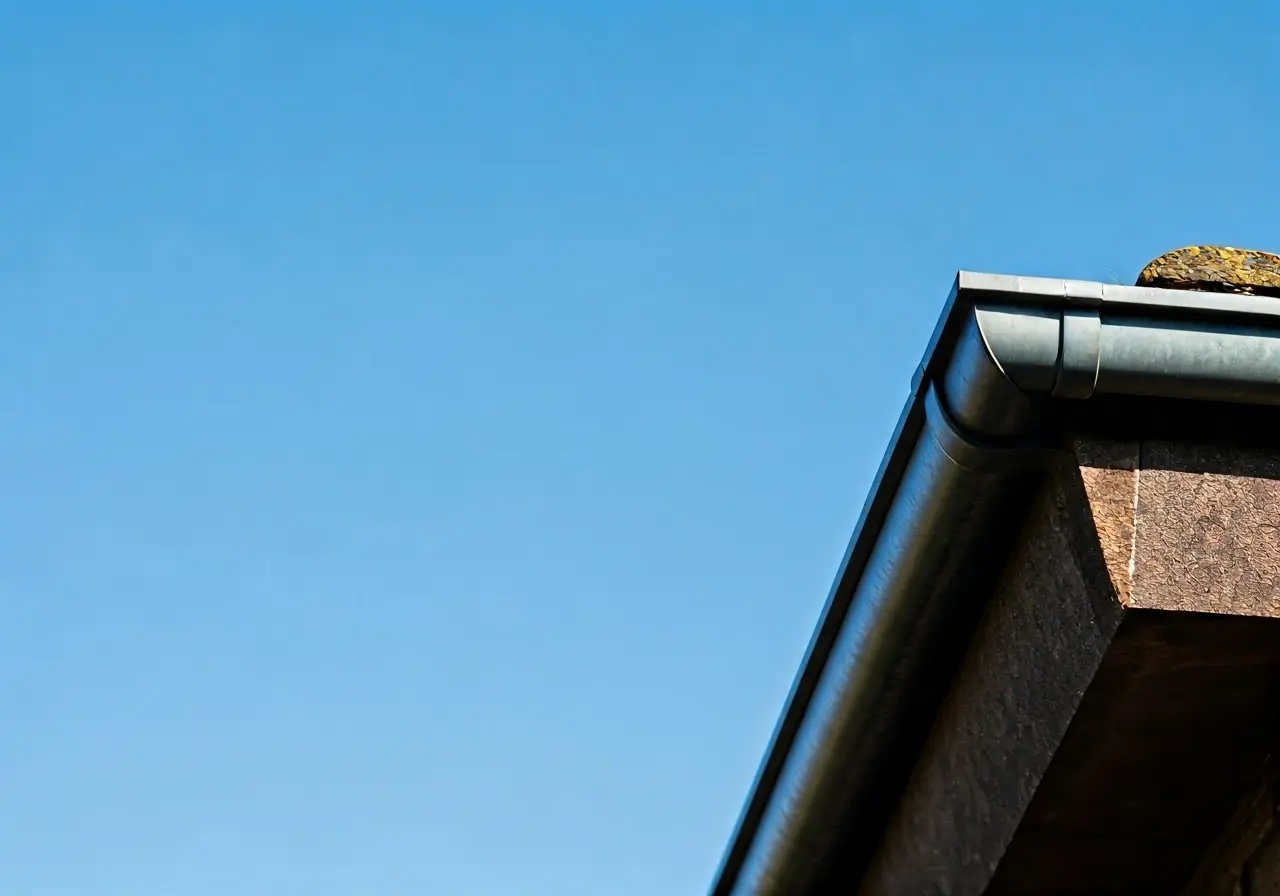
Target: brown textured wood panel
(1187, 527)
(1035, 649)
(1109, 473)
(1208, 530)
(1121, 691)
(1171, 736)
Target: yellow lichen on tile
(1215, 269)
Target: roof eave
(1006, 353)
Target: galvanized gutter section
(980, 421)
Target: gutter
(1008, 355)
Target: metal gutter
(1006, 355)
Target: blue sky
(429, 431)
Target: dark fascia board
(1165, 343)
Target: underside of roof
(1011, 360)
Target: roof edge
(1005, 351)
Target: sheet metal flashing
(1005, 356)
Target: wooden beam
(1117, 701)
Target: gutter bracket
(1083, 293)
(1079, 355)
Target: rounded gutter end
(1000, 361)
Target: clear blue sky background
(427, 432)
